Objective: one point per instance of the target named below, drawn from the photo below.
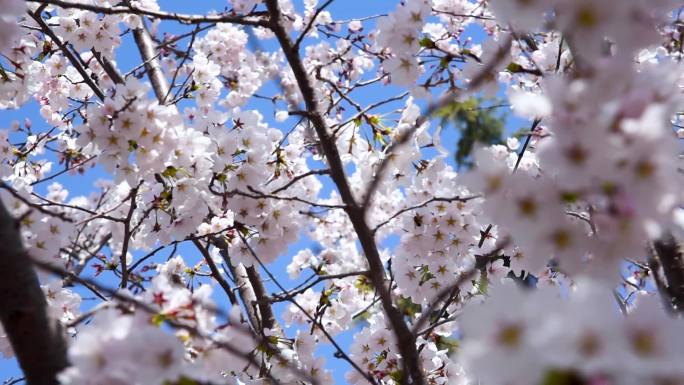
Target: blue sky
(127, 57)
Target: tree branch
(251, 290)
(179, 17)
(268, 319)
(405, 339)
(37, 340)
(444, 101)
(669, 253)
(69, 55)
(149, 56)
(250, 285)
(215, 273)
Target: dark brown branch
(180, 65)
(127, 237)
(215, 273)
(108, 68)
(310, 24)
(669, 253)
(37, 341)
(33, 205)
(654, 269)
(260, 195)
(69, 55)
(82, 263)
(251, 290)
(287, 295)
(268, 319)
(299, 177)
(427, 202)
(405, 339)
(340, 352)
(244, 290)
(181, 18)
(535, 124)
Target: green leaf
(451, 345)
(363, 284)
(170, 172)
(397, 376)
(444, 62)
(514, 68)
(407, 307)
(222, 178)
(325, 297)
(483, 283)
(470, 54)
(569, 196)
(426, 42)
(158, 319)
(374, 120)
(477, 123)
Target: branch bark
(149, 57)
(250, 285)
(215, 273)
(406, 341)
(37, 341)
(69, 55)
(252, 292)
(267, 317)
(669, 254)
(253, 19)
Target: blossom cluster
(238, 141)
(399, 33)
(534, 336)
(11, 9)
(597, 190)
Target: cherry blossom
(226, 196)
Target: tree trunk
(37, 341)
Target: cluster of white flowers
(399, 32)
(440, 239)
(223, 50)
(123, 349)
(594, 180)
(44, 236)
(600, 189)
(334, 307)
(130, 123)
(139, 336)
(375, 350)
(18, 86)
(86, 30)
(248, 161)
(10, 11)
(535, 336)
